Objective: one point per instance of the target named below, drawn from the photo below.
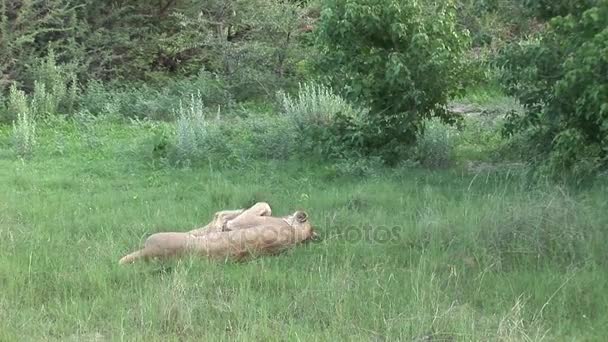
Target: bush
(400, 58)
(203, 135)
(24, 128)
(266, 138)
(317, 114)
(492, 23)
(435, 145)
(315, 105)
(88, 128)
(560, 78)
(55, 91)
(547, 9)
(238, 141)
(191, 129)
(4, 113)
(156, 100)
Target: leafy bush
(24, 128)
(4, 114)
(238, 141)
(28, 28)
(547, 9)
(55, 92)
(17, 102)
(315, 105)
(55, 87)
(88, 128)
(203, 135)
(191, 129)
(560, 78)
(492, 23)
(435, 144)
(253, 45)
(155, 100)
(400, 58)
(317, 115)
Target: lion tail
(131, 258)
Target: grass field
(406, 253)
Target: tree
(400, 58)
(561, 78)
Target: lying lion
(235, 234)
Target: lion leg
(218, 223)
(222, 218)
(161, 245)
(243, 221)
(258, 209)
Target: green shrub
(560, 78)
(547, 9)
(191, 129)
(28, 29)
(235, 141)
(400, 58)
(56, 89)
(24, 127)
(492, 23)
(203, 135)
(4, 113)
(98, 99)
(315, 105)
(435, 144)
(87, 126)
(267, 137)
(43, 103)
(232, 142)
(17, 103)
(318, 116)
(155, 100)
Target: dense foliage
(491, 23)
(547, 9)
(561, 78)
(400, 58)
(249, 43)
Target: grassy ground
(406, 253)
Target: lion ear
(301, 217)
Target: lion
(232, 234)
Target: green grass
(469, 256)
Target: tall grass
(24, 127)
(191, 128)
(435, 146)
(156, 101)
(56, 89)
(315, 105)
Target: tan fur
(233, 234)
(221, 219)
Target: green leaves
(400, 58)
(562, 80)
